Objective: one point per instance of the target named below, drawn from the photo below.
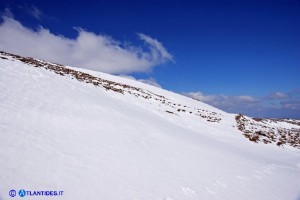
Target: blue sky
(240, 56)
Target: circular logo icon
(22, 193)
(12, 193)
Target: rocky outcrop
(282, 132)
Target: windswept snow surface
(57, 133)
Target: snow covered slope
(98, 136)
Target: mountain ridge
(280, 136)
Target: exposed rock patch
(270, 131)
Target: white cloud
(278, 104)
(293, 105)
(149, 81)
(88, 50)
(222, 101)
(246, 98)
(158, 52)
(277, 95)
(200, 96)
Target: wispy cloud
(225, 102)
(7, 13)
(34, 12)
(158, 51)
(88, 50)
(149, 81)
(276, 104)
(277, 95)
(200, 96)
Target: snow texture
(107, 137)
